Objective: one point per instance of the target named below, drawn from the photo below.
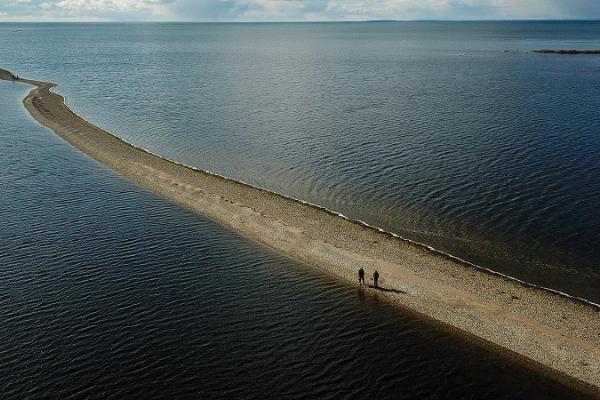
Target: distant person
(375, 279)
(361, 276)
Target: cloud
(589, 9)
(299, 10)
(296, 10)
(83, 9)
(102, 5)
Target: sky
(293, 10)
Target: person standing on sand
(361, 276)
(375, 279)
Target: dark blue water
(109, 292)
(451, 134)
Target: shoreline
(426, 246)
(554, 332)
(571, 52)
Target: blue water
(451, 134)
(109, 292)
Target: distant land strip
(547, 51)
(558, 335)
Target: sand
(557, 334)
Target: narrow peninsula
(555, 333)
(573, 52)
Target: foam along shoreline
(552, 332)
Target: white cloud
(268, 10)
(59, 10)
(295, 10)
(105, 5)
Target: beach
(554, 332)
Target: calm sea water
(109, 292)
(451, 134)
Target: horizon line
(83, 21)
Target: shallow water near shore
(450, 134)
(110, 292)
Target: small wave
(360, 222)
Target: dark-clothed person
(375, 279)
(361, 276)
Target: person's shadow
(386, 290)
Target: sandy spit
(559, 335)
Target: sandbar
(558, 334)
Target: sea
(455, 135)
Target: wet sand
(557, 334)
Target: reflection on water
(107, 291)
